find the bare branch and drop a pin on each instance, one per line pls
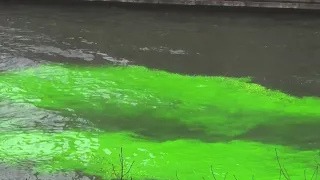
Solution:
(305, 175)
(114, 171)
(177, 175)
(280, 174)
(130, 167)
(225, 176)
(122, 174)
(317, 172)
(214, 177)
(121, 163)
(282, 169)
(235, 177)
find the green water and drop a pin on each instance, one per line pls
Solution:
(165, 122)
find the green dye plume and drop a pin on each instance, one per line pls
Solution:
(155, 104)
(147, 101)
(96, 153)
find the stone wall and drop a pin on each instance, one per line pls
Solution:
(293, 4)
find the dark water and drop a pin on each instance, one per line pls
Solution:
(280, 51)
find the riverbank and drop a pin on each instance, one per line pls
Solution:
(252, 4)
(286, 4)
(250, 9)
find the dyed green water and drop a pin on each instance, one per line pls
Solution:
(165, 122)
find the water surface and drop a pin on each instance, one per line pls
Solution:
(179, 91)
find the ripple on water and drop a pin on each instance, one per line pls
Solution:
(23, 117)
(22, 47)
(17, 173)
(69, 53)
(10, 62)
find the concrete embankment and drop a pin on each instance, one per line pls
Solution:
(287, 4)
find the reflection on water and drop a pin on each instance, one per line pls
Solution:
(78, 116)
(13, 118)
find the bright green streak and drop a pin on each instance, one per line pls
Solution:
(94, 154)
(219, 105)
(226, 106)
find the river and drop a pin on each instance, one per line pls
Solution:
(187, 94)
